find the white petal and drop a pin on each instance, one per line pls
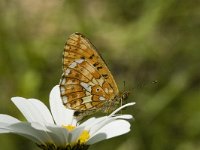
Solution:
(5, 121)
(92, 122)
(39, 126)
(8, 119)
(123, 117)
(88, 122)
(3, 128)
(33, 110)
(61, 114)
(59, 135)
(115, 128)
(101, 123)
(42, 109)
(74, 135)
(25, 129)
(95, 124)
(120, 108)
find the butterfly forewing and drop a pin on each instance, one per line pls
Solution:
(86, 83)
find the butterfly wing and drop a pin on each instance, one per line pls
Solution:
(86, 83)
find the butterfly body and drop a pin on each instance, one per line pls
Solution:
(86, 84)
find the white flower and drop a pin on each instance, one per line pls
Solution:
(58, 129)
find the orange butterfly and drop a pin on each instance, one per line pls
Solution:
(87, 85)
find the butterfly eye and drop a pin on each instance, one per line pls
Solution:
(97, 90)
(76, 113)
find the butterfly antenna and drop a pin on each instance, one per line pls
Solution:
(124, 85)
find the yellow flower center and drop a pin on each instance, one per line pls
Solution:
(69, 127)
(84, 136)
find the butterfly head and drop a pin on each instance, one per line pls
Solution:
(125, 95)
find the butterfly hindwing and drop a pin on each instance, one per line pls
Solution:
(86, 83)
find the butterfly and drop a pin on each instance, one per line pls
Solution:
(87, 85)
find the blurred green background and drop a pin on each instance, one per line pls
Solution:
(152, 45)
